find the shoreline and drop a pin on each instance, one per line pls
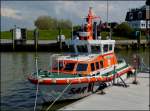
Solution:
(54, 46)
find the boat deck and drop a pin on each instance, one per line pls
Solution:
(134, 97)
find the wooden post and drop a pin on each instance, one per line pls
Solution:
(60, 41)
(138, 35)
(114, 75)
(36, 35)
(13, 43)
(135, 77)
(13, 37)
(136, 66)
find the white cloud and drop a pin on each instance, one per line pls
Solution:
(75, 10)
(11, 13)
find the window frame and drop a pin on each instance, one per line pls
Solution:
(82, 48)
(110, 47)
(71, 48)
(97, 65)
(85, 67)
(71, 68)
(95, 49)
(92, 65)
(104, 48)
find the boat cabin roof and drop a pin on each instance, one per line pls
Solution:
(82, 57)
(91, 46)
(91, 42)
(82, 64)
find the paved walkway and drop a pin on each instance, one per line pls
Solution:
(135, 97)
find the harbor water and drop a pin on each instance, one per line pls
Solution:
(18, 94)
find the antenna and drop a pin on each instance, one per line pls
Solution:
(108, 20)
(107, 11)
(72, 30)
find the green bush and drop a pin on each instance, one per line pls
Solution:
(123, 30)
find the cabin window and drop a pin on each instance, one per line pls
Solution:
(69, 66)
(71, 48)
(105, 48)
(92, 67)
(110, 47)
(95, 49)
(60, 65)
(56, 66)
(82, 48)
(97, 65)
(101, 64)
(82, 67)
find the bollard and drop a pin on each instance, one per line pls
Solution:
(101, 88)
(135, 78)
(102, 92)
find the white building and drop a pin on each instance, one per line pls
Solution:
(139, 18)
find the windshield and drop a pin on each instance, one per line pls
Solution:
(82, 67)
(82, 48)
(95, 49)
(69, 66)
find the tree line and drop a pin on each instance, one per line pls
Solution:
(48, 23)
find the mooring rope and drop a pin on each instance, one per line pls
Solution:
(37, 86)
(58, 96)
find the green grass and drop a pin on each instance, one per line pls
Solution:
(48, 34)
(6, 35)
(43, 34)
(52, 34)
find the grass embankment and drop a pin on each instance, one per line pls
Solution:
(52, 34)
(43, 34)
(105, 34)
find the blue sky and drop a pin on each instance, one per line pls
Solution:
(24, 13)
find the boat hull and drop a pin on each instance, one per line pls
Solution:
(74, 88)
(66, 92)
(74, 91)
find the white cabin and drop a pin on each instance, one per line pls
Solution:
(91, 46)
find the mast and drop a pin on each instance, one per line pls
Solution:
(108, 21)
(90, 18)
(107, 11)
(72, 31)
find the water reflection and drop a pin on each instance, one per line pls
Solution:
(58, 104)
